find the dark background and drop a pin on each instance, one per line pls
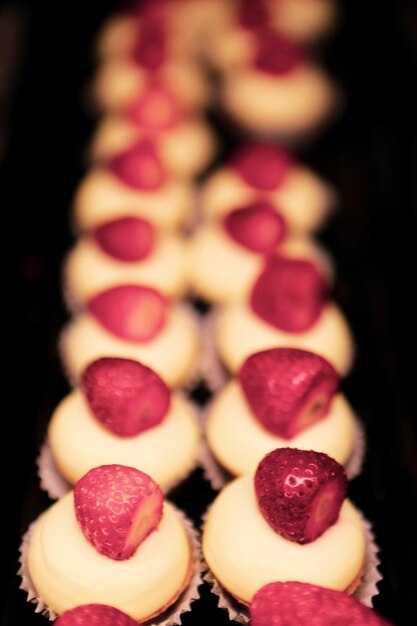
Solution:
(370, 155)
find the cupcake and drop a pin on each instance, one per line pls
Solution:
(185, 143)
(125, 250)
(282, 397)
(136, 322)
(234, 41)
(279, 92)
(146, 53)
(123, 412)
(262, 172)
(288, 306)
(293, 603)
(133, 182)
(124, 546)
(190, 25)
(225, 258)
(290, 521)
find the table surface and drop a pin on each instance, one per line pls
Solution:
(369, 155)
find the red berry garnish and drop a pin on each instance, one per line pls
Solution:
(289, 294)
(117, 507)
(128, 239)
(262, 166)
(276, 53)
(303, 604)
(300, 492)
(257, 227)
(125, 396)
(139, 166)
(95, 615)
(288, 389)
(131, 312)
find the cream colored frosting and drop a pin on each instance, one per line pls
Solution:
(88, 270)
(244, 552)
(101, 197)
(172, 353)
(119, 82)
(239, 441)
(304, 21)
(79, 442)
(222, 271)
(67, 570)
(239, 333)
(292, 105)
(185, 149)
(303, 199)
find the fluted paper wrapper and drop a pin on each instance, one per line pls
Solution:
(218, 476)
(170, 617)
(211, 369)
(364, 593)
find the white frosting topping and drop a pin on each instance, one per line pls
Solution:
(244, 552)
(239, 333)
(67, 570)
(101, 197)
(292, 104)
(239, 441)
(80, 442)
(185, 149)
(303, 199)
(172, 353)
(89, 270)
(223, 271)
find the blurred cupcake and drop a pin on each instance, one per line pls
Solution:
(123, 412)
(263, 172)
(288, 306)
(136, 322)
(146, 53)
(185, 143)
(225, 258)
(127, 250)
(133, 182)
(280, 92)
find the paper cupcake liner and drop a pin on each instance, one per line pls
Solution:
(56, 486)
(170, 617)
(191, 378)
(218, 476)
(367, 589)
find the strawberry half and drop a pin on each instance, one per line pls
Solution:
(131, 312)
(139, 166)
(289, 294)
(257, 227)
(125, 396)
(300, 492)
(276, 54)
(262, 166)
(156, 109)
(128, 239)
(302, 604)
(95, 615)
(288, 389)
(117, 507)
